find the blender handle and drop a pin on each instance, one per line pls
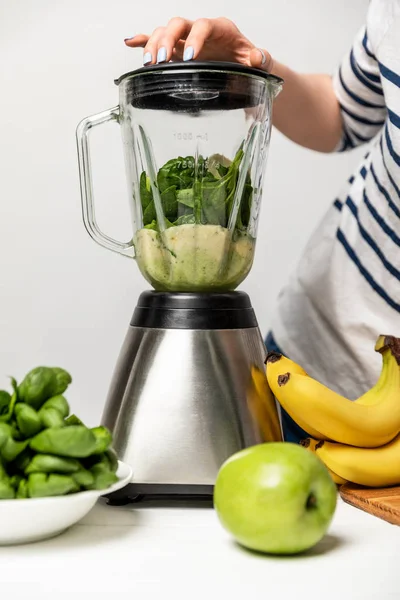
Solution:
(86, 183)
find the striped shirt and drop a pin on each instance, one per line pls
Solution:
(346, 289)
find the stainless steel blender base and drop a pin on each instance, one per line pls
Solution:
(178, 404)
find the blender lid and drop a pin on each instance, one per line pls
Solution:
(202, 66)
(193, 87)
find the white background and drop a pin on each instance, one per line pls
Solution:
(64, 300)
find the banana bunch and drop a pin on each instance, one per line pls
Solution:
(359, 441)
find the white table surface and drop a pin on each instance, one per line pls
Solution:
(183, 553)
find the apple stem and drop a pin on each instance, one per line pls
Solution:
(311, 501)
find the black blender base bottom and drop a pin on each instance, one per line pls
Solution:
(154, 492)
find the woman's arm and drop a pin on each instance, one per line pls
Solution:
(307, 110)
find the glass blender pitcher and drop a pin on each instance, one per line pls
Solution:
(195, 140)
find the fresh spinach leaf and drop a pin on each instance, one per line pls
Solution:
(186, 197)
(5, 400)
(169, 202)
(179, 172)
(223, 170)
(197, 201)
(184, 210)
(169, 206)
(146, 194)
(185, 220)
(213, 201)
(163, 176)
(246, 203)
(168, 223)
(153, 225)
(149, 214)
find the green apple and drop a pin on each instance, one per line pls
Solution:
(275, 497)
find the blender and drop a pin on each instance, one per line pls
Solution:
(182, 398)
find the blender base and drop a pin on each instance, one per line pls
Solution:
(161, 493)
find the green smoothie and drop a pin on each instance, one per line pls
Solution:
(190, 258)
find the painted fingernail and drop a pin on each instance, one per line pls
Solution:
(129, 38)
(189, 53)
(263, 57)
(162, 55)
(147, 58)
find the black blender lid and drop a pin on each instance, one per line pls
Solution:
(220, 66)
(193, 87)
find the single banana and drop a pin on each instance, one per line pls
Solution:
(336, 478)
(338, 418)
(289, 366)
(278, 364)
(312, 446)
(262, 406)
(372, 467)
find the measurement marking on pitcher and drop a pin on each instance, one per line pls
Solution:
(188, 135)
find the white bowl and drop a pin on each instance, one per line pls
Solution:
(33, 519)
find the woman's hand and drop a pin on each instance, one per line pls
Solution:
(204, 39)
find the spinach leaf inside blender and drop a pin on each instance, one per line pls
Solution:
(197, 192)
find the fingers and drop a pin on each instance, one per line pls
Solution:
(201, 30)
(178, 50)
(138, 41)
(166, 42)
(261, 59)
(176, 30)
(160, 46)
(152, 47)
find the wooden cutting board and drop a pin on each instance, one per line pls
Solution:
(380, 502)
